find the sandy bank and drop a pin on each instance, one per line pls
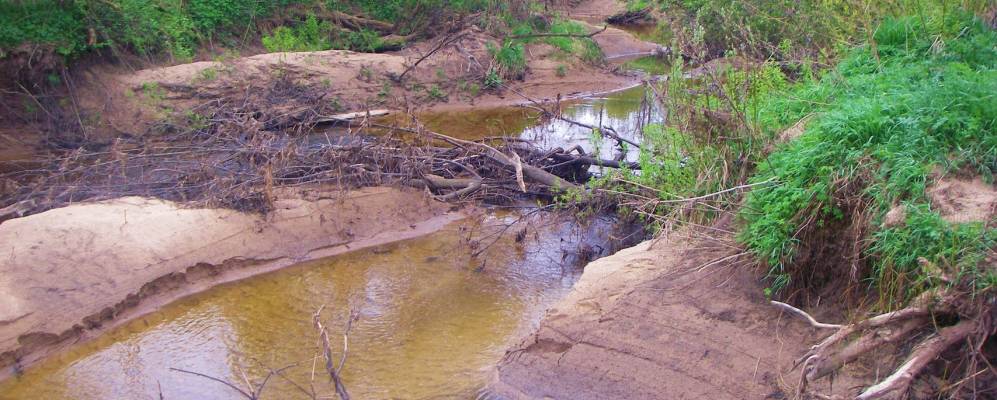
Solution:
(71, 272)
(681, 317)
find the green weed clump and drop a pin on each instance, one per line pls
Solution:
(312, 35)
(920, 99)
(584, 48)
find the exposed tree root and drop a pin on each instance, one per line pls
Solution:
(894, 327)
(896, 385)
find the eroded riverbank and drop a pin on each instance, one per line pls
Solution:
(432, 321)
(73, 272)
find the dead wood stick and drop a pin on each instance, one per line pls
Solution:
(628, 17)
(440, 182)
(16, 210)
(813, 322)
(327, 352)
(465, 186)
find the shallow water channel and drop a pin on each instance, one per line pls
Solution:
(433, 320)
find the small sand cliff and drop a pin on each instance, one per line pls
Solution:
(70, 272)
(680, 317)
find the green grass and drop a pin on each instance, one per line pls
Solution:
(927, 102)
(648, 65)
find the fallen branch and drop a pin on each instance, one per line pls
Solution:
(568, 158)
(872, 339)
(536, 174)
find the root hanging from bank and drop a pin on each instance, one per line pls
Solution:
(848, 343)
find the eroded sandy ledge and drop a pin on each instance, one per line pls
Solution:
(73, 272)
(677, 317)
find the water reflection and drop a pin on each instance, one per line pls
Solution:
(433, 319)
(625, 111)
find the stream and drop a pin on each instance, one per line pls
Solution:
(432, 319)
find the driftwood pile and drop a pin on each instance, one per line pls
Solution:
(247, 142)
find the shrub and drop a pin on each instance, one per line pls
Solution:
(309, 36)
(883, 123)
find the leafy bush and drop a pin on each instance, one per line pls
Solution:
(312, 35)
(791, 30)
(176, 28)
(923, 100)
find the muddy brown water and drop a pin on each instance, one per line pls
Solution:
(433, 320)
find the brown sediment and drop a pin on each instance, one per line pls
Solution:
(69, 274)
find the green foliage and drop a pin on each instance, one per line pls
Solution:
(562, 71)
(436, 93)
(492, 79)
(44, 23)
(648, 65)
(364, 40)
(311, 35)
(176, 28)
(927, 101)
(511, 58)
(585, 48)
(636, 5)
(951, 249)
(793, 30)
